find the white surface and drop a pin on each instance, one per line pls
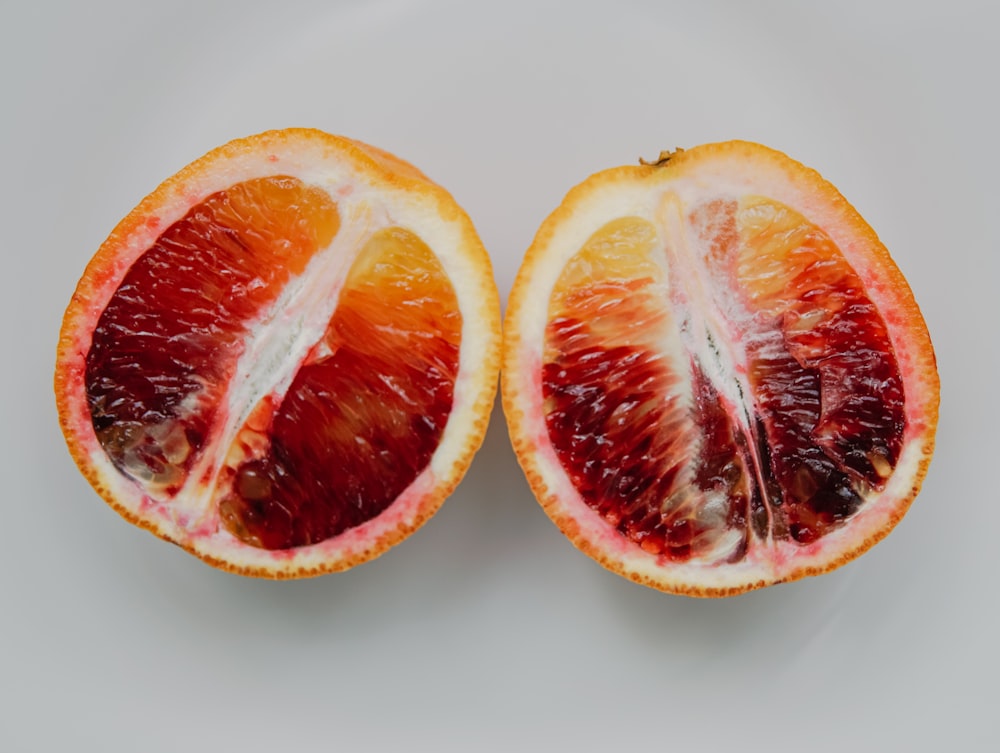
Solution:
(487, 630)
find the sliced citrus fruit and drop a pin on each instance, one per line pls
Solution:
(284, 358)
(714, 376)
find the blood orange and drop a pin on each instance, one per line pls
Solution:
(714, 375)
(285, 357)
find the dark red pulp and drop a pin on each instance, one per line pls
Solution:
(364, 412)
(822, 424)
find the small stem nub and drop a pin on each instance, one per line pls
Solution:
(663, 159)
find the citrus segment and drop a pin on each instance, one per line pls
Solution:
(635, 424)
(284, 359)
(371, 401)
(168, 339)
(715, 378)
(821, 365)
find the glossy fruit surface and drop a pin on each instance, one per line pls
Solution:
(284, 358)
(715, 377)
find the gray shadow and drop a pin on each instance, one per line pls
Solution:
(435, 574)
(785, 622)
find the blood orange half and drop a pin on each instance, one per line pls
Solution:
(284, 358)
(714, 375)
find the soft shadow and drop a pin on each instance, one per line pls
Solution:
(432, 575)
(780, 620)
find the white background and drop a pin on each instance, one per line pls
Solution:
(487, 630)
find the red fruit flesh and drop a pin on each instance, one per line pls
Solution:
(364, 411)
(360, 421)
(166, 344)
(636, 402)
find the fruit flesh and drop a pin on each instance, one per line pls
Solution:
(722, 387)
(822, 365)
(364, 409)
(167, 342)
(363, 415)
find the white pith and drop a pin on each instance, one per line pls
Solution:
(663, 204)
(367, 202)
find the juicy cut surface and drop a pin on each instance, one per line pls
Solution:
(361, 411)
(167, 342)
(364, 413)
(724, 386)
